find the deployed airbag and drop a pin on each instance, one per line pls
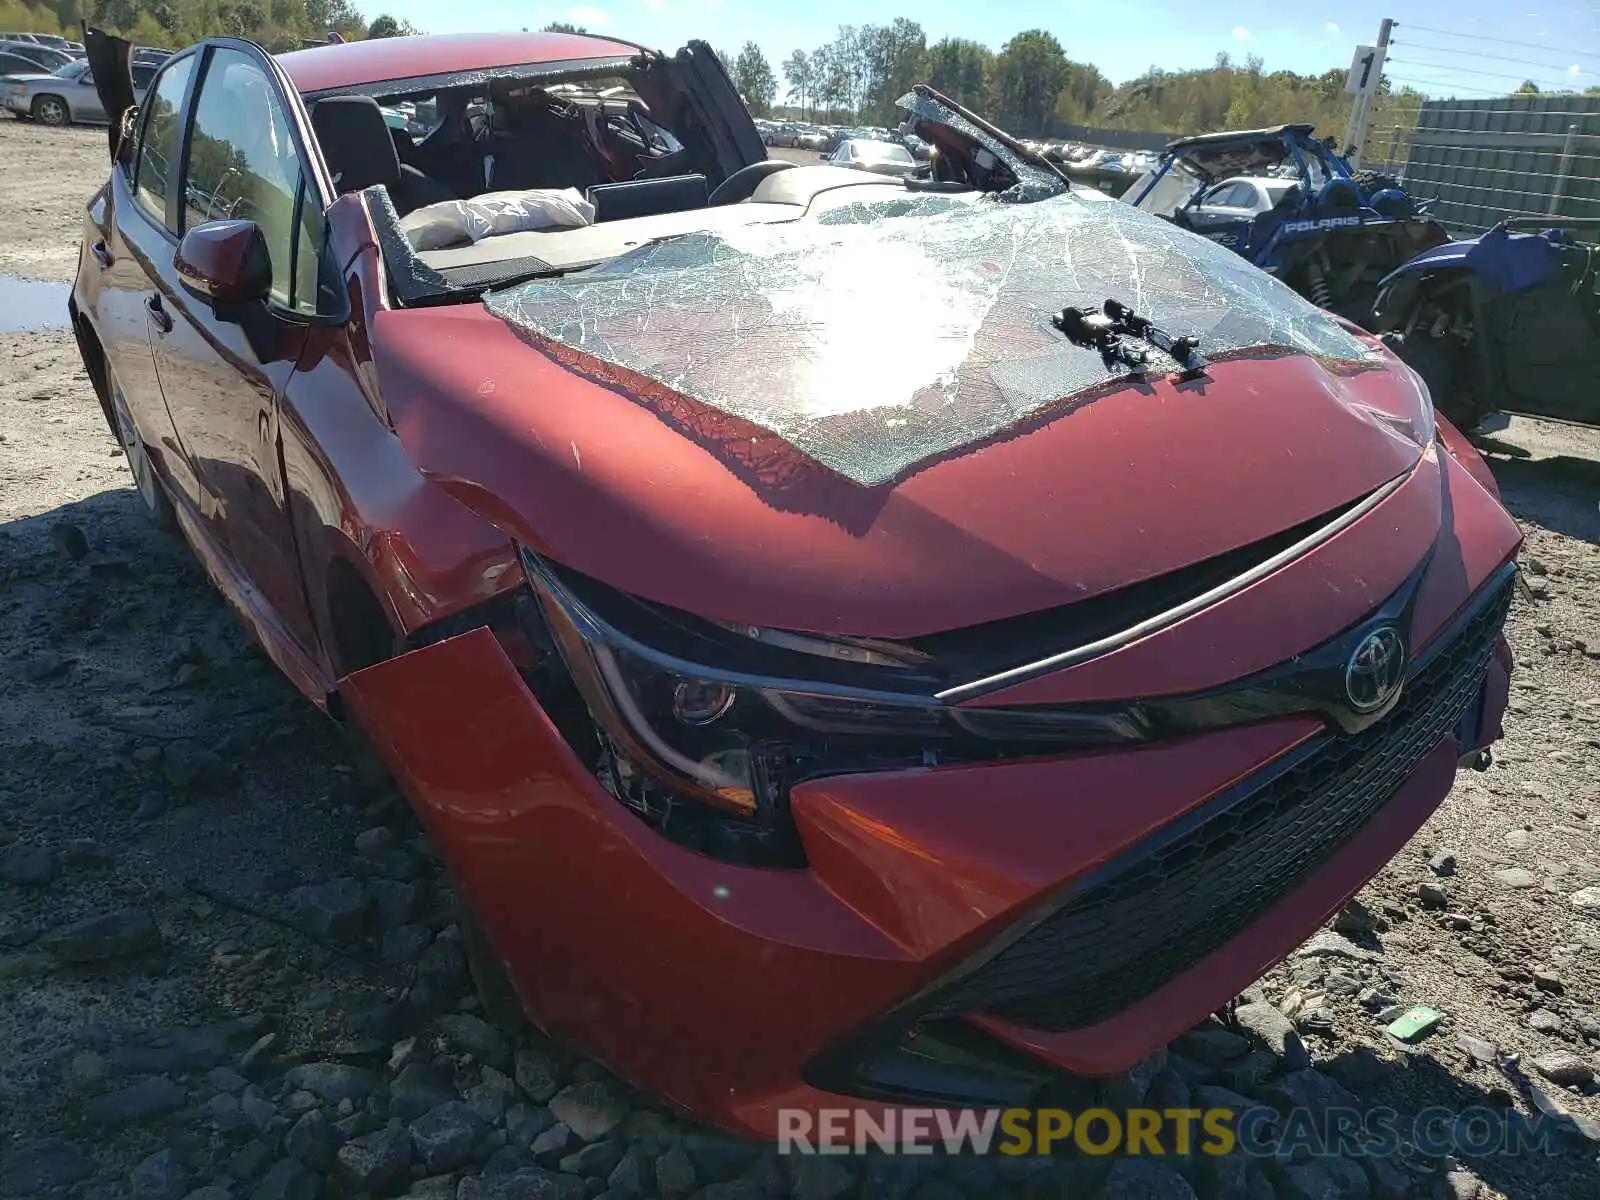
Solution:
(893, 334)
(456, 222)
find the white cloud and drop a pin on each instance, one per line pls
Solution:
(1240, 32)
(588, 16)
(1331, 26)
(1574, 70)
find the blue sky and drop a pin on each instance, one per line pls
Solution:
(1488, 46)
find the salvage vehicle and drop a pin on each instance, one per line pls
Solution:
(1506, 321)
(869, 154)
(64, 96)
(919, 728)
(30, 58)
(1332, 237)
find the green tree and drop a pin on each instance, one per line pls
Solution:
(753, 76)
(1029, 73)
(1526, 88)
(797, 72)
(1082, 92)
(564, 27)
(385, 26)
(892, 63)
(830, 81)
(959, 68)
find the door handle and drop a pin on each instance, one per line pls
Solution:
(158, 314)
(101, 254)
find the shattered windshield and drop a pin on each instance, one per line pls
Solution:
(784, 326)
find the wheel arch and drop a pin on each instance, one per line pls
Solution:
(95, 363)
(362, 629)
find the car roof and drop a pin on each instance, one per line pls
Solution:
(352, 64)
(1239, 137)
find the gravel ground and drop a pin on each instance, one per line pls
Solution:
(229, 968)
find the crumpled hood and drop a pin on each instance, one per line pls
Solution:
(689, 506)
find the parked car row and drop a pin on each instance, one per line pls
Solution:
(50, 41)
(825, 139)
(62, 92)
(28, 58)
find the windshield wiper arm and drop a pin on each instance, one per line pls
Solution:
(1109, 329)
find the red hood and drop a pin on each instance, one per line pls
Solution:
(1136, 484)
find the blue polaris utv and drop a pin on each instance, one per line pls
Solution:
(1285, 199)
(1509, 321)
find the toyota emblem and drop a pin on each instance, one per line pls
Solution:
(1372, 676)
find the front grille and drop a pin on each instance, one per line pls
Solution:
(1122, 935)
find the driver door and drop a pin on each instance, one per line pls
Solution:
(728, 125)
(222, 374)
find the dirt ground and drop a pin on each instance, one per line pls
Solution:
(229, 968)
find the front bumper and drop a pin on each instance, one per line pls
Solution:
(963, 898)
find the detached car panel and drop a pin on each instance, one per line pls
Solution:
(803, 724)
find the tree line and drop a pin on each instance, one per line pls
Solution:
(1032, 87)
(278, 25)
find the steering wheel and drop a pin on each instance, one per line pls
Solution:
(743, 182)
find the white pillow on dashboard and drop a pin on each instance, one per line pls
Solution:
(454, 222)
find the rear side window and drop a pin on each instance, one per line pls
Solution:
(153, 167)
(10, 64)
(1233, 195)
(142, 77)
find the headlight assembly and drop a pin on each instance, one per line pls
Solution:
(697, 718)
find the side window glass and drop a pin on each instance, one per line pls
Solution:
(158, 142)
(308, 254)
(242, 162)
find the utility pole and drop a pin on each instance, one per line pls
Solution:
(1366, 75)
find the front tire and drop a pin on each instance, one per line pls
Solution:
(51, 110)
(157, 505)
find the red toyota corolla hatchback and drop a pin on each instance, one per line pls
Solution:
(918, 635)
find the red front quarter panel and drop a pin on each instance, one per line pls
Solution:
(687, 970)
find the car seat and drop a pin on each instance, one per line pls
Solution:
(535, 143)
(360, 152)
(1339, 197)
(1265, 224)
(1391, 202)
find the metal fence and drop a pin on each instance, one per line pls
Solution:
(1516, 137)
(1530, 156)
